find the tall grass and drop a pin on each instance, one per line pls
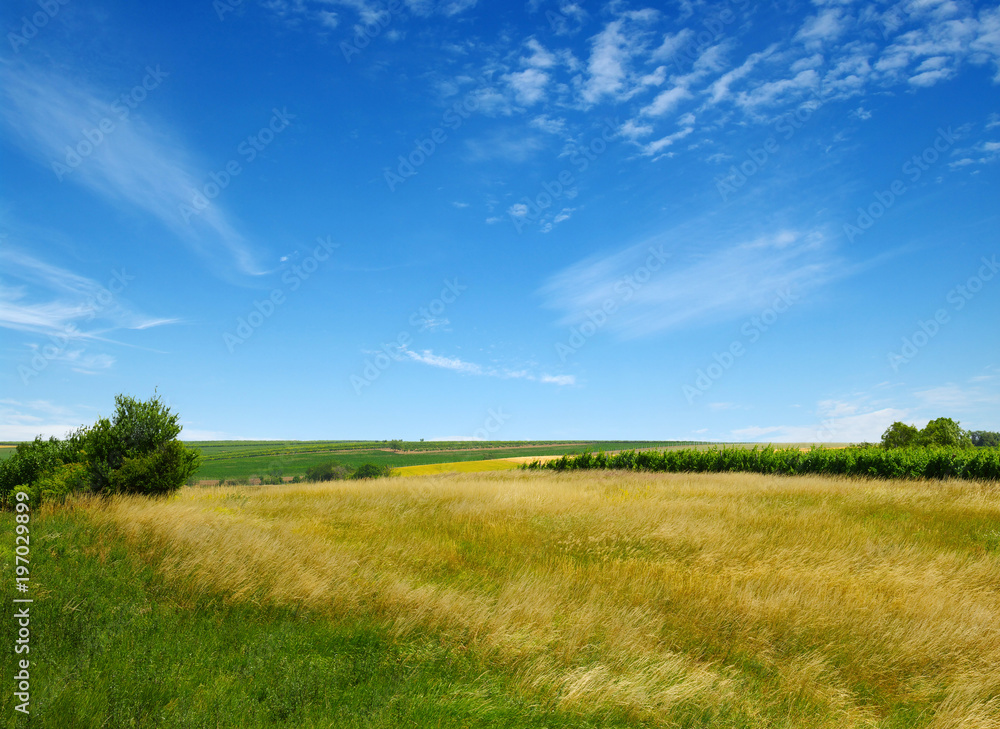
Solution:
(871, 461)
(729, 600)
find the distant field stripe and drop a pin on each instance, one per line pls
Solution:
(496, 464)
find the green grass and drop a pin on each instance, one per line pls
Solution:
(114, 646)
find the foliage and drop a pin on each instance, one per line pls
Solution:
(985, 438)
(32, 461)
(138, 434)
(900, 435)
(56, 484)
(160, 471)
(327, 471)
(917, 462)
(136, 451)
(943, 432)
(372, 470)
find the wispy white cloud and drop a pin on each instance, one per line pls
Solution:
(666, 101)
(827, 25)
(136, 165)
(39, 297)
(22, 421)
(955, 398)
(685, 286)
(528, 85)
(461, 366)
(505, 144)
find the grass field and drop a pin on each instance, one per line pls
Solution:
(244, 459)
(523, 599)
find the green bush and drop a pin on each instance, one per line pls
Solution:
(163, 470)
(327, 471)
(32, 461)
(135, 452)
(372, 470)
(138, 434)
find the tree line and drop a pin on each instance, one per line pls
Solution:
(938, 432)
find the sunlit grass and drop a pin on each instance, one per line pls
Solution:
(768, 600)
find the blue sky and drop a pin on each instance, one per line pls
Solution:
(351, 219)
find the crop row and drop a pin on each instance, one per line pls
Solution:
(871, 461)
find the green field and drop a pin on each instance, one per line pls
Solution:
(245, 459)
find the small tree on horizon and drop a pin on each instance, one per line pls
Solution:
(900, 435)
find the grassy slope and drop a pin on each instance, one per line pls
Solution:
(723, 600)
(114, 645)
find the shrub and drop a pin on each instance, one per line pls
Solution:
(32, 461)
(136, 451)
(140, 434)
(327, 471)
(372, 470)
(159, 472)
(918, 462)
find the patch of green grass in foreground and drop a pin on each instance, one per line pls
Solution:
(112, 645)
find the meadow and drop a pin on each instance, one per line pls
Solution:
(523, 598)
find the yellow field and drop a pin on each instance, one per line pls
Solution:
(794, 602)
(496, 464)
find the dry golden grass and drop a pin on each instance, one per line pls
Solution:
(803, 601)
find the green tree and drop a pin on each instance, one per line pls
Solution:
(945, 432)
(136, 450)
(900, 435)
(985, 438)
